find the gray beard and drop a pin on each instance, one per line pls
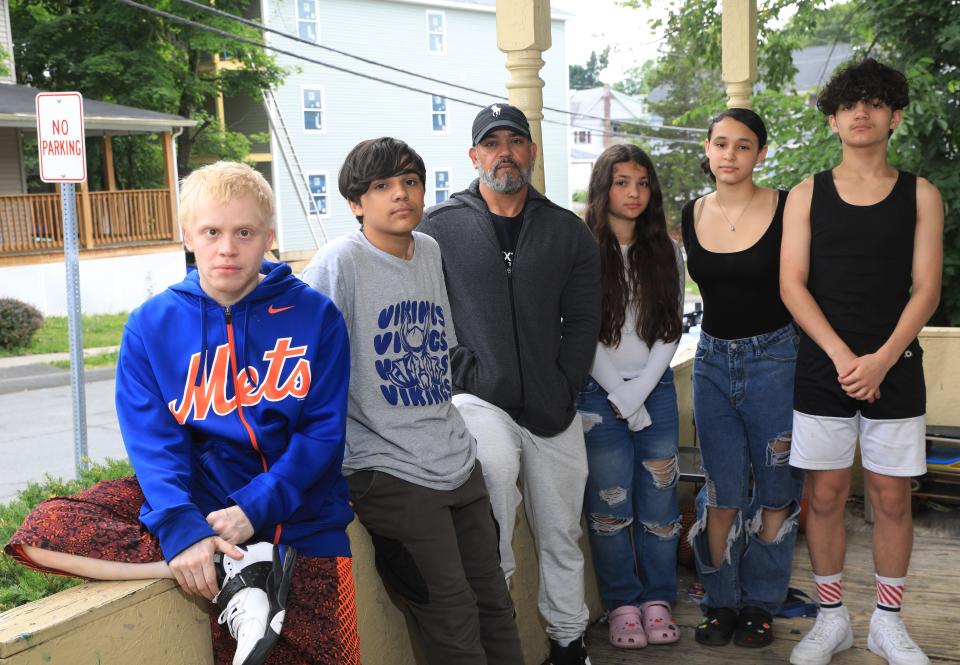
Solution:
(509, 183)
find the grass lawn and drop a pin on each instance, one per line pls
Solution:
(108, 359)
(98, 330)
(18, 584)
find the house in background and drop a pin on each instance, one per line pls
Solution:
(598, 113)
(129, 241)
(326, 112)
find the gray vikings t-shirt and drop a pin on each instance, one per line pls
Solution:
(400, 418)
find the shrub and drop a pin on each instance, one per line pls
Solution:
(18, 323)
(19, 584)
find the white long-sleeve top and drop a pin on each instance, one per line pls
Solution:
(631, 370)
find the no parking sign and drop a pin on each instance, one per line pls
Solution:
(60, 137)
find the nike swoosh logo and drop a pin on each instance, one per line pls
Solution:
(276, 310)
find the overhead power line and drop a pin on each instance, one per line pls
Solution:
(244, 40)
(296, 38)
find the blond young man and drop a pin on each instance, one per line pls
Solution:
(231, 395)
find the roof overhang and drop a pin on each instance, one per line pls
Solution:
(18, 109)
(99, 125)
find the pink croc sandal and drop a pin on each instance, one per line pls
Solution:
(658, 624)
(625, 629)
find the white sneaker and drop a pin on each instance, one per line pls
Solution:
(830, 635)
(253, 594)
(889, 639)
(246, 617)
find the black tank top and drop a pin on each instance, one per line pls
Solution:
(741, 290)
(861, 257)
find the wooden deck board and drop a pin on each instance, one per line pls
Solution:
(931, 609)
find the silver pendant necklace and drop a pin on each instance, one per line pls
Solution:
(733, 226)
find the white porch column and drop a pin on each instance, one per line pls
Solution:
(739, 51)
(523, 33)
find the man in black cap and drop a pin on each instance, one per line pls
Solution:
(523, 276)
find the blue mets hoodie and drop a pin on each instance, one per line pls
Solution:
(242, 405)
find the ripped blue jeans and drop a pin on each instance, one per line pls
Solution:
(631, 496)
(743, 406)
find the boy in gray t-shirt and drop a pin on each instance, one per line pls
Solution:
(410, 461)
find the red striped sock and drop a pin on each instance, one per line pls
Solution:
(890, 593)
(829, 590)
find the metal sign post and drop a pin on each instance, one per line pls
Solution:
(61, 144)
(71, 254)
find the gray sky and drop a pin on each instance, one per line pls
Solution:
(602, 22)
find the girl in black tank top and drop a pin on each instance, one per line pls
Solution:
(740, 289)
(742, 390)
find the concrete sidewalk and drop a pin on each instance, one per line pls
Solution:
(43, 358)
(19, 373)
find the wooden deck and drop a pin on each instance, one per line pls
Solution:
(932, 610)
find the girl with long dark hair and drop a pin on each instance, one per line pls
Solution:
(742, 390)
(629, 403)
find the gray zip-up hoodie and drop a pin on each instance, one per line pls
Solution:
(527, 336)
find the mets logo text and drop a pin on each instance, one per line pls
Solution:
(211, 391)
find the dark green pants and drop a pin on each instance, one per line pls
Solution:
(437, 550)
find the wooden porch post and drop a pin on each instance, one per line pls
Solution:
(523, 33)
(108, 163)
(221, 110)
(169, 170)
(86, 215)
(739, 51)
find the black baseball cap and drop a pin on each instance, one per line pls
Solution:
(499, 116)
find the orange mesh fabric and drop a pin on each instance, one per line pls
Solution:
(347, 613)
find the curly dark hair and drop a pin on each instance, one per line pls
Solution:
(377, 159)
(865, 81)
(652, 277)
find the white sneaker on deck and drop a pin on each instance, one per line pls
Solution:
(889, 639)
(830, 635)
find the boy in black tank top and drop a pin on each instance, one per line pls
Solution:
(860, 271)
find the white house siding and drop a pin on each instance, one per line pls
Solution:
(6, 43)
(356, 109)
(107, 286)
(11, 173)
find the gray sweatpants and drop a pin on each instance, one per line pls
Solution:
(554, 476)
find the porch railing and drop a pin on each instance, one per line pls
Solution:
(31, 223)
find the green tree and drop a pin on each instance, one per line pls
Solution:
(120, 54)
(583, 77)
